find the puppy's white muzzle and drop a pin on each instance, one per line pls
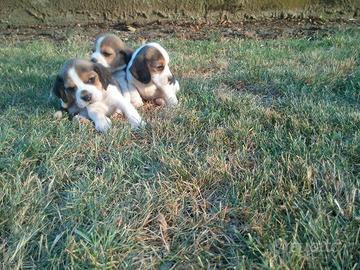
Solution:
(99, 58)
(87, 95)
(89, 91)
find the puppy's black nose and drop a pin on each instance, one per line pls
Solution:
(86, 96)
(94, 60)
(172, 79)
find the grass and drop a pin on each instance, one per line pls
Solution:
(258, 167)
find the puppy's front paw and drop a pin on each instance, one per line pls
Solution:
(137, 103)
(103, 125)
(172, 102)
(58, 115)
(137, 122)
(81, 119)
(142, 124)
(177, 87)
(159, 102)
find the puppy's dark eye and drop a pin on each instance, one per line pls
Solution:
(106, 54)
(160, 67)
(91, 80)
(71, 89)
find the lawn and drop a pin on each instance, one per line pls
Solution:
(258, 167)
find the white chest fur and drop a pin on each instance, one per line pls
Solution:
(113, 95)
(147, 91)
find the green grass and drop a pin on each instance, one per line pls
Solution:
(258, 167)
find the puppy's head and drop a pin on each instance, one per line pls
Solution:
(65, 94)
(84, 81)
(110, 51)
(149, 62)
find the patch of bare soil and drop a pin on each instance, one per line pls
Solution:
(248, 29)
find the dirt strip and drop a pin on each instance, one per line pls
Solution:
(193, 30)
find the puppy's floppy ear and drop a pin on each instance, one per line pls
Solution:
(104, 75)
(140, 70)
(127, 53)
(59, 89)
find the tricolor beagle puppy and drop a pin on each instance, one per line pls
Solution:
(111, 52)
(149, 76)
(66, 93)
(144, 74)
(87, 88)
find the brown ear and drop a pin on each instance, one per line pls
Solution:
(104, 75)
(59, 89)
(140, 70)
(127, 53)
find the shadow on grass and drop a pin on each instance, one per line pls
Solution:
(26, 83)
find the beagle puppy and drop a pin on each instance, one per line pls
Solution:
(143, 74)
(111, 52)
(67, 94)
(87, 88)
(149, 77)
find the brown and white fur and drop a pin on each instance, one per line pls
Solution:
(149, 76)
(143, 74)
(111, 52)
(66, 94)
(94, 94)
